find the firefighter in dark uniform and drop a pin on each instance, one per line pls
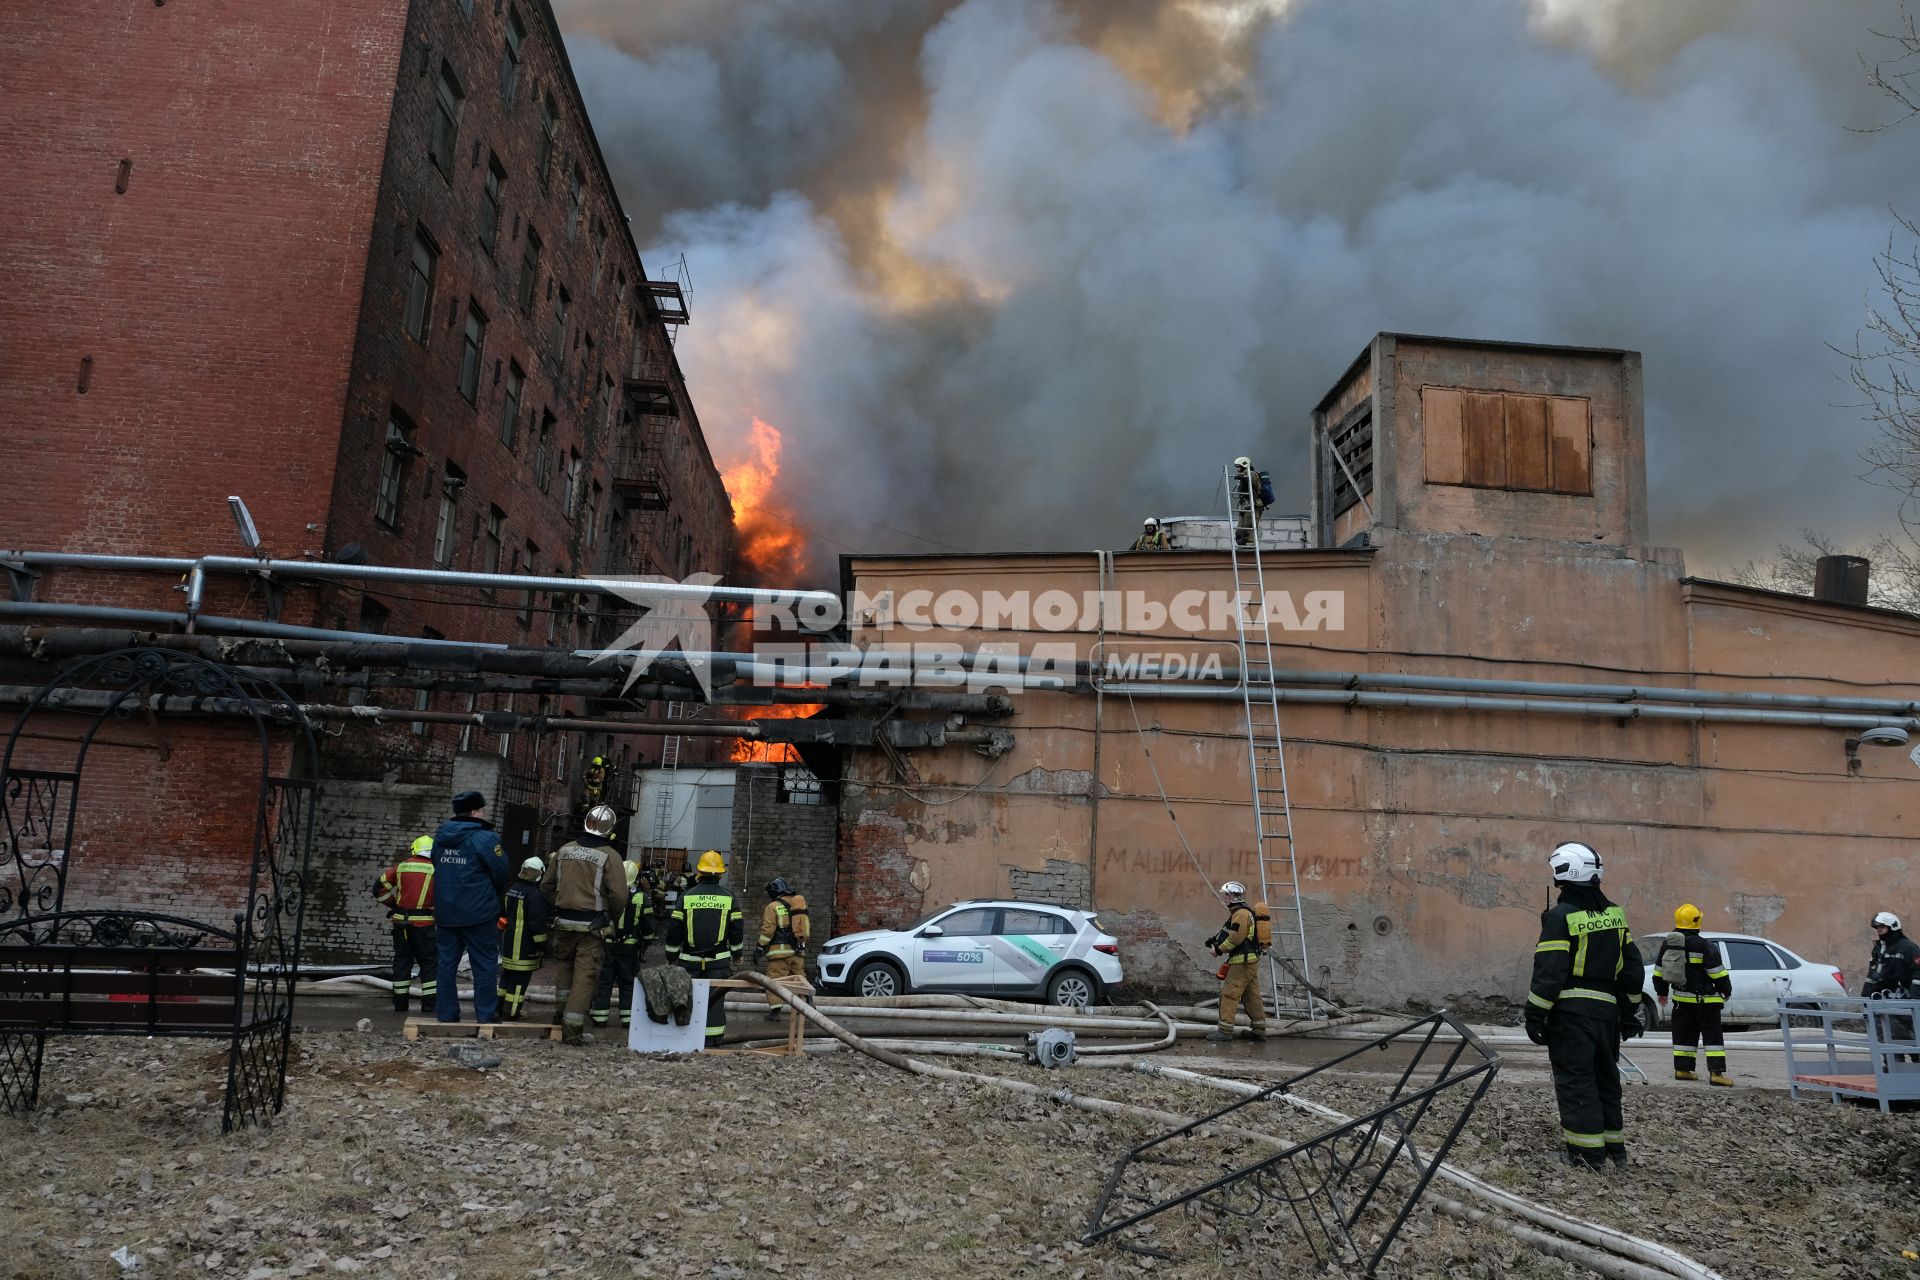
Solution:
(628, 942)
(704, 931)
(523, 937)
(1698, 998)
(406, 891)
(1584, 1001)
(783, 938)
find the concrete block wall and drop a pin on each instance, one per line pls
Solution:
(772, 837)
(359, 829)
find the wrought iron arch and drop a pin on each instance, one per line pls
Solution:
(44, 938)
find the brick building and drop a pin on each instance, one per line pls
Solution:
(360, 263)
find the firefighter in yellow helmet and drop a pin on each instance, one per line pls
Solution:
(596, 781)
(704, 932)
(1690, 967)
(1239, 943)
(405, 889)
(783, 937)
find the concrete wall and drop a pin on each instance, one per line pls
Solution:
(360, 829)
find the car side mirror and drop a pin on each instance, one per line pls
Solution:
(933, 931)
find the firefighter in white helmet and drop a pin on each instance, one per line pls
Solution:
(1151, 537)
(523, 937)
(1238, 942)
(1251, 494)
(1584, 1001)
(586, 882)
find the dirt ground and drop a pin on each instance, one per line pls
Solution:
(392, 1161)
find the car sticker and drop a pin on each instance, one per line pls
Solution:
(954, 957)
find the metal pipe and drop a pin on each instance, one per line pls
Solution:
(1539, 706)
(635, 589)
(215, 624)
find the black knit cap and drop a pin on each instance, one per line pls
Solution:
(468, 801)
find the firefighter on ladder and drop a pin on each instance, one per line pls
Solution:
(783, 938)
(703, 933)
(1252, 493)
(1239, 942)
(523, 937)
(596, 781)
(1583, 1003)
(1692, 969)
(405, 889)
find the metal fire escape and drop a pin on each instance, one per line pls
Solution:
(1287, 969)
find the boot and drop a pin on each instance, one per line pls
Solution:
(572, 1033)
(1719, 1078)
(773, 1015)
(399, 1004)
(1259, 1035)
(1617, 1155)
(1685, 1075)
(1218, 1036)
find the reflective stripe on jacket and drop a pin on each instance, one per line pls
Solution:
(706, 923)
(1239, 946)
(1707, 979)
(1585, 960)
(406, 890)
(783, 926)
(524, 936)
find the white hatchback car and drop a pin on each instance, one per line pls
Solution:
(984, 946)
(1761, 971)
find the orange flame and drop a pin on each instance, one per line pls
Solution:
(772, 546)
(749, 751)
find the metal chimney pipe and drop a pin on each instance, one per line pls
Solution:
(1841, 579)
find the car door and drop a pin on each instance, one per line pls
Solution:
(955, 952)
(1757, 976)
(1029, 943)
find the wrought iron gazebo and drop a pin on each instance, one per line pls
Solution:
(88, 971)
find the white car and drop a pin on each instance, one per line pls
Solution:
(1761, 971)
(984, 946)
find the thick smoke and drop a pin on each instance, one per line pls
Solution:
(1010, 274)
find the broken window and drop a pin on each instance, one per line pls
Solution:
(426, 262)
(446, 120)
(444, 532)
(471, 353)
(1508, 440)
(393, 469)
(1352, 461)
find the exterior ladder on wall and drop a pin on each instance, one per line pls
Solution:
(665, 789)
(1287, 971)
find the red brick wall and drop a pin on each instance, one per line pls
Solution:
(216, 297)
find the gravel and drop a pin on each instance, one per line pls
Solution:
(392, 1161)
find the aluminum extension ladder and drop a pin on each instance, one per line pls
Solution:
(665, 792)
(1288, 973)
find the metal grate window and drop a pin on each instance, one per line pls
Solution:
(1352, 442)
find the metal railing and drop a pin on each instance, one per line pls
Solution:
(1852, 1047)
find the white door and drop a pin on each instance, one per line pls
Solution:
(955, 952)
(1758, 979)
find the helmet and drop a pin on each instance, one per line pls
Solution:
(1575, 863)
(1888, 919)
(422, 844)
(1686, 917)
(1233, 889)
(1151, 523)
(533, 868)
(633, 874)
(712, 864)
(601, 820)
(599, 760)
(1243, 463)
(778, 887)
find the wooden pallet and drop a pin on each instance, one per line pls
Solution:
(432, 1029)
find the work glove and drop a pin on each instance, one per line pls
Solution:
(1536, 1025)
(1630, 1025)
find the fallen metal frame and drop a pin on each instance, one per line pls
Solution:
(1329, 1181)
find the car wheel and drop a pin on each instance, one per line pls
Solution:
(1073, 989)
(876, 979)
(1812, 1019)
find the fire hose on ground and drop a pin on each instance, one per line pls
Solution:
(1628, 1257)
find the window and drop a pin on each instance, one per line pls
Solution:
(393, 469)
(1505, 440)
(470, 354)
(510, 56)
(444, 532)
(490, 198)
(510, 404)
(572, 495)
(599, 254)
(1019, 921)
(543, 452)
(558, 338)
(601, 412)
(972, 923)
(549, 126)
(529, 270)
(490, 544)
(446, 121)
(526, 597)
(586, 373)
(590, 525)
(374, 616)
(426, 262)
(575, 184)
(1747, 954)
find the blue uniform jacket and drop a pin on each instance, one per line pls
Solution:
(469, 873)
